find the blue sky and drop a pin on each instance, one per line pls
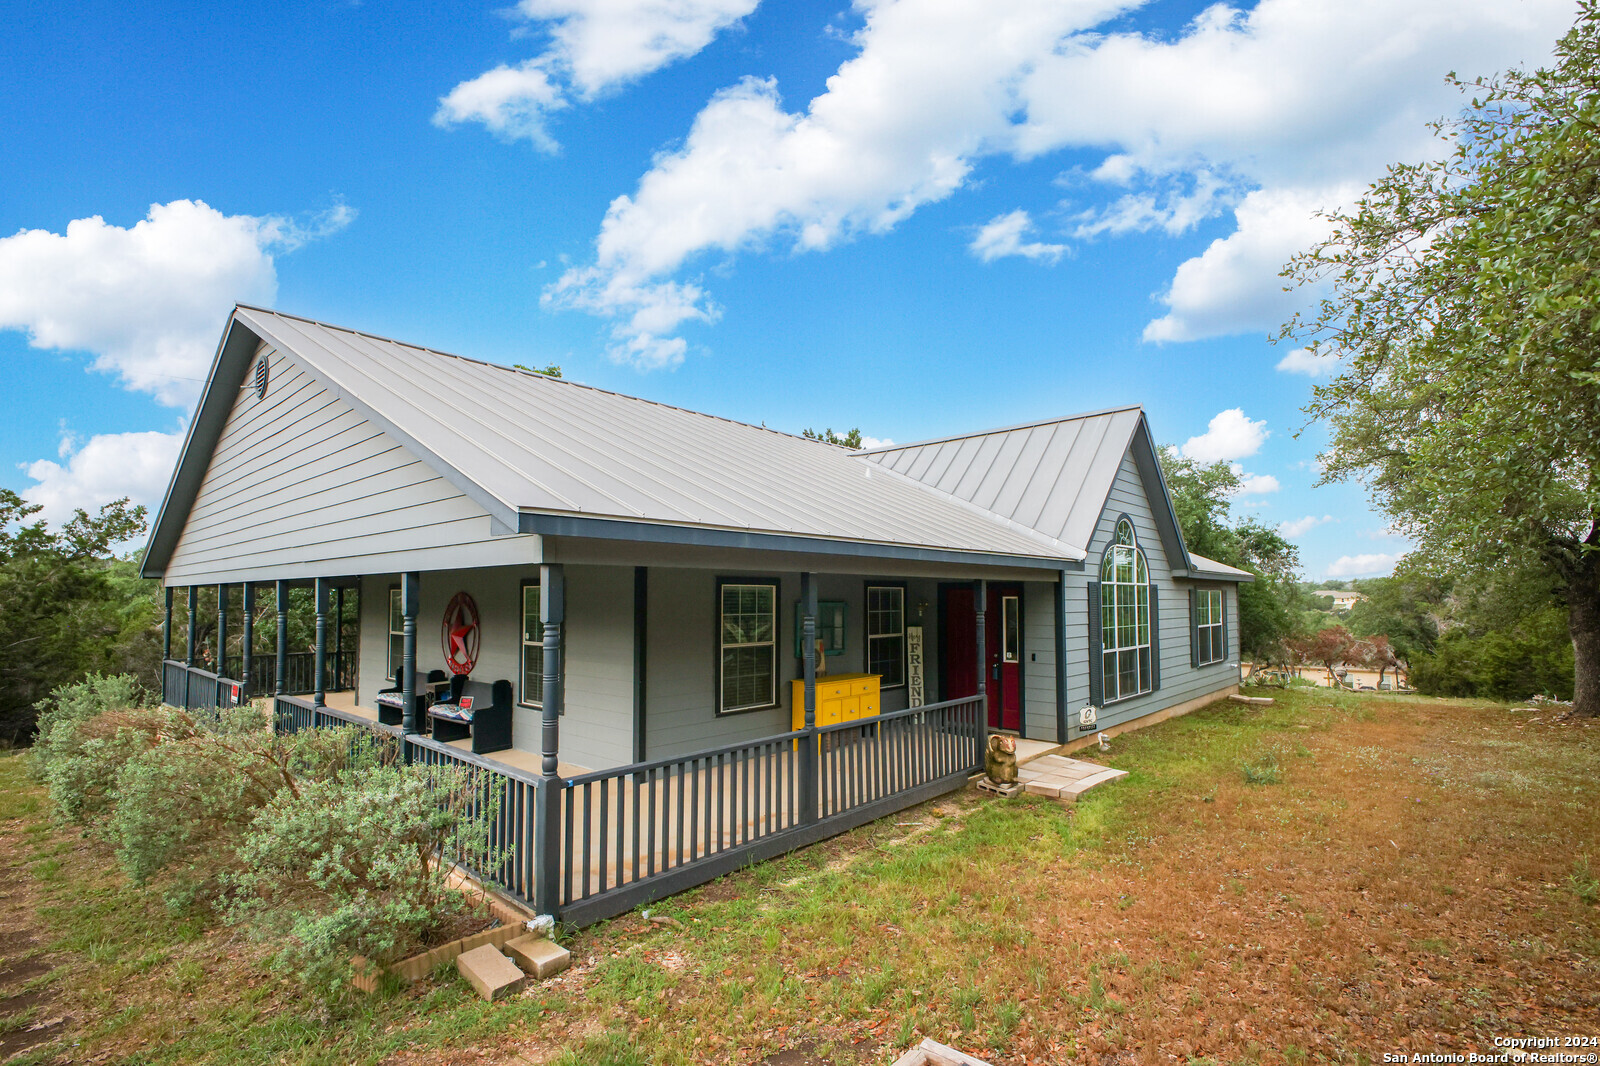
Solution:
(910, 216)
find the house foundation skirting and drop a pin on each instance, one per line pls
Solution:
(1150, 719)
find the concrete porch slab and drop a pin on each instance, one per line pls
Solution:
(1062, 778)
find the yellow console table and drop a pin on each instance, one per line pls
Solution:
(840, 698)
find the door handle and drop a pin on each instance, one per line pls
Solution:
(994, 671)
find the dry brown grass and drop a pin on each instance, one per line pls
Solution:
(1419, 877)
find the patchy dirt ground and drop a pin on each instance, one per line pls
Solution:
(1328, 880)
(29, 1013)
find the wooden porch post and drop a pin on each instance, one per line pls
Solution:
(319, 665)
(247, 636)
(222, 631)
(280, 682)
(808, 743)
(410, 600)
(1063, 712)
(166, 625)
(547, 804)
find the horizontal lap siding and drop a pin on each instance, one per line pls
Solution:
(1179, 681)
(299, 485)
(597, 728)
(680, 687)
(1039, 659)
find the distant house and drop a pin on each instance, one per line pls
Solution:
(1341, 599)
(601, 600)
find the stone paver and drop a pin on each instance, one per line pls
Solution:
(540, 957)
(1059, 777)
(488, 971)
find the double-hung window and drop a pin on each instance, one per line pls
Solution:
(397, 632)
(886, 634)
(1125, 618)
(1208, 626)
(747, 666)
(532, 647)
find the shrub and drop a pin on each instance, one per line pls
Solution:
(71, 705)
(183, 806)
(349, 865)
(81, 772)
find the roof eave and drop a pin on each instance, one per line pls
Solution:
(583, 526)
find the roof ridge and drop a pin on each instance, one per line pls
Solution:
(1002, 429)
(528, 373)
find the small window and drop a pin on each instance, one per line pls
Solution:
(886, 634)
(1011, 629)
(1125, 618)
(397, 632)
(748, 667)
(532, 647)
(1208, 621)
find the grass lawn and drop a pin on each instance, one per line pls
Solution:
(1328, 879)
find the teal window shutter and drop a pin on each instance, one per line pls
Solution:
(1155, 638)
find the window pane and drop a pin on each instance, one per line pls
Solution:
(397, 651)
(746, 677)
(397, 614)
(1125, 566)
(1011, 630)
(886, 656)
(532, 674)
(1144, 670)
(1110, 675)
(1217, 651)
(1127, 673)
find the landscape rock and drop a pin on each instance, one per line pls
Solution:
(490, 972)
(540, 957)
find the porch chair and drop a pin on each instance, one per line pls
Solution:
(487, 721)
(391, 701)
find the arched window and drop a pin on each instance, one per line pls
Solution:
(1124, 617)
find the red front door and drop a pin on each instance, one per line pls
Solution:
(1002, 650)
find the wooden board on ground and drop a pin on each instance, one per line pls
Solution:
(932, 1053)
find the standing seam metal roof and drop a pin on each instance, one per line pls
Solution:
(533, 443)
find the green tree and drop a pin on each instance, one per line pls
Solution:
(851, 440)
(1463, 306)
(1405, 608)
(1267, 606)
(67, 608)
(551, 370)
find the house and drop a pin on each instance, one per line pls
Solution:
(691, 643)
(1341, 599)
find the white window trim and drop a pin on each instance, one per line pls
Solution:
(722, 648)
(1216, 625)
(1109, 644)
(901, 634)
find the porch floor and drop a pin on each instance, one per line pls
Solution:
(526, 761)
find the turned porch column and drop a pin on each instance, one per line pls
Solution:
(319, 664)
(410, 600)
(807, 769)
(280, 684)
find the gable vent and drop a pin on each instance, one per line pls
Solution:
(261, 378)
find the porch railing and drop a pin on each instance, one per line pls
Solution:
(617, 838)
(196, 689)
(300, 670)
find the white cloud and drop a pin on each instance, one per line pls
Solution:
(1257, 485)
(594, 46)
(1228, 436)
(148, 301)
(1278, 112)
(1375, 564)
(1312, 365)
(1299, 527)
(1003, 236)
(874, 442)
(107, 467)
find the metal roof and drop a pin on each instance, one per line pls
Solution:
(522, 443)
(1052, 477)
(1201, 566)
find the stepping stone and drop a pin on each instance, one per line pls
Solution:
(540, 957)
(488, 971)
(1071, 792)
